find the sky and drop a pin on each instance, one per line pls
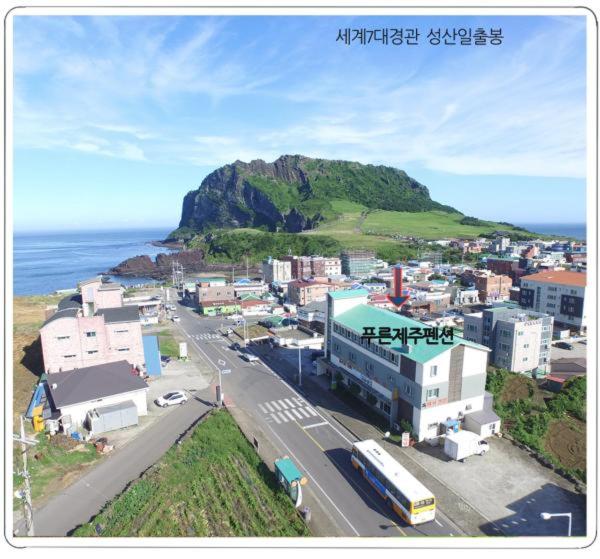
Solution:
(117, 118)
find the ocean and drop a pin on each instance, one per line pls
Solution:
(575, 230)
(45, 262)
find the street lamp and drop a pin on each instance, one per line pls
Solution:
(548, 516)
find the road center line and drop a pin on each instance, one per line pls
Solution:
(315, 481)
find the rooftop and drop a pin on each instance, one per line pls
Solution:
(348, 293)
(113, 315)
(92, 383)
(365, 315)
(70, 302)
(109, 286)
(62, 313)
(577, 279)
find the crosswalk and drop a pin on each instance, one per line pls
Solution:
(207, 337)
(287, 409)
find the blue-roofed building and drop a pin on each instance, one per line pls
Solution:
(152, 355)
(424, 380)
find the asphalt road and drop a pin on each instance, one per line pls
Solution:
(318, 445)
(78, 503)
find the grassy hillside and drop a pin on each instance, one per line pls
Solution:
(431, 225)
(211, 485)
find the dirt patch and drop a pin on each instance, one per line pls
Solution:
(517, 388)
(565, 439)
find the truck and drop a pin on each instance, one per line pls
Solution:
(462, 444)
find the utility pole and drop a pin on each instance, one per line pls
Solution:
(220, 390)
(27, 493)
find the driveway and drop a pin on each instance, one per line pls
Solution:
(509, 487)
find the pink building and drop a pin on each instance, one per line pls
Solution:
(86, 330)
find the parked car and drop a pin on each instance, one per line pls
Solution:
(235, 346)
(175, 318)
(249, 357)
(171, 399)
(565, 345)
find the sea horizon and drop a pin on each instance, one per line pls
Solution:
(47, 262)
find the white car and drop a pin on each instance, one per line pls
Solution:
(171, 399)
(175, 318)
(235, 317)
(249, 357)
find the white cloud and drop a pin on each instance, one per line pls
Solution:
(520, 112)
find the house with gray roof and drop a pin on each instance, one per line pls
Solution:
(75, 393)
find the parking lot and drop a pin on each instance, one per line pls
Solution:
(579, 350)
(508, 487)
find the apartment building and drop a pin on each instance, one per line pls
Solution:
(559, 293)
(300, 266)
(276, 270)
(72, 340)
(426, 384)
(519, 340)
(325, 266)
(491, 287)
(302, 292)
(205, 292)
(358, 262)
(307, 266)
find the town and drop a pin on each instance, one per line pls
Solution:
(303, 358)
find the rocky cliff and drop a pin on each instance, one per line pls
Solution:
(294, 193)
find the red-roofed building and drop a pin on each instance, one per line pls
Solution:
(559, 293)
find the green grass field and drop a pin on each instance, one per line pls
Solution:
(427, 225)
(167, 344)
(212, 484)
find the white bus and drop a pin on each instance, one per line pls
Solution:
(409, 498)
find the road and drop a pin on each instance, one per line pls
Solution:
(319, 446)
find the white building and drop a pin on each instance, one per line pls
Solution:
(276, 270)
(402, 378)
(560, 294)
(76, 392)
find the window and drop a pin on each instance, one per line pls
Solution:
(121, 331)
(525, 359)
(90, 334)
(69, 356)
(433, 370)
(91, 352)
(520, 333)
(123, 349)
(432, 426)
(433, 393)
(407, 389)
(63, 337)
(525, 346)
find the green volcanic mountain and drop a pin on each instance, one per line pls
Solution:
(295, 193)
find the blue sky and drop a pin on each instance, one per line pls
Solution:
(116, 118)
